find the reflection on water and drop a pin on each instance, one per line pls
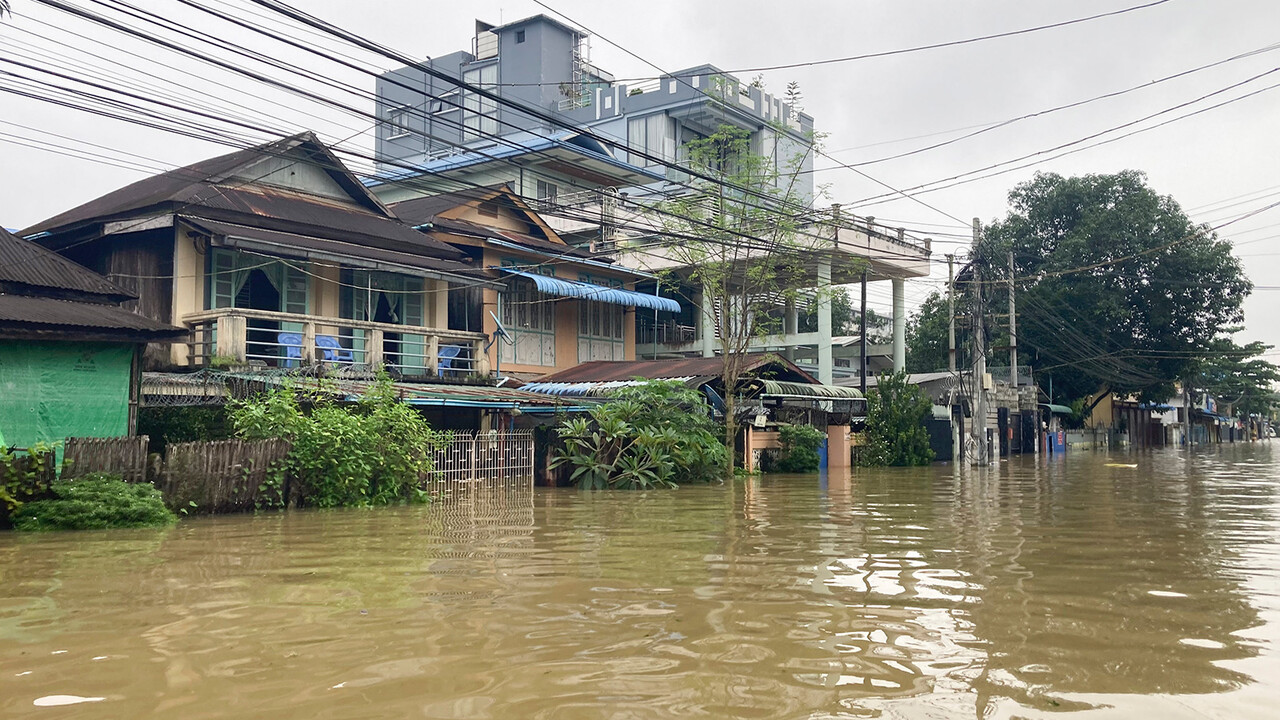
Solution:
(1039, 586)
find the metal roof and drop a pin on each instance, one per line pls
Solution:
(294, 244)
(781, 388)
(29, 269)
(21, 312)
(211, 384)
(213, 189)
(587, 389)
(577, 289)
(698, 368)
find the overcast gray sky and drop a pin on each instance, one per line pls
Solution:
(1218, 164)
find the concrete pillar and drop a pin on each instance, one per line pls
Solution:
(839, 451)
(790, 326)
(707, 324)
(899, 325)
(826, 360)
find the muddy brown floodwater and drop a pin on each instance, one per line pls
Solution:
(1076, 586)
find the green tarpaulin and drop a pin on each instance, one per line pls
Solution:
(50, 391)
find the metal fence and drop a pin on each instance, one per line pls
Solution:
(488, 459)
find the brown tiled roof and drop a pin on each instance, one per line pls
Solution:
(207, 189)
(700, 367)
(28, 269)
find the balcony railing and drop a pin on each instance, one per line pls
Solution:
(664, 333)
(288, 340)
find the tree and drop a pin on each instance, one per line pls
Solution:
(1238, 375)
(1117, 289)
(896, 415)
(749, 247)
(927, 335)
(846, 319)
(648, 435)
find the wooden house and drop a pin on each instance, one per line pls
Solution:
(70, 355)
(275, 257)
(559, 305)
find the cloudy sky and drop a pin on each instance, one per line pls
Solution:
(1219, 164)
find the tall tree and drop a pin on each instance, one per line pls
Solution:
(749, 250)
(1237, 374)
(927, 335)
(1117, 288)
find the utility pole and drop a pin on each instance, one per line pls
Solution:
(1013, 351)
(951, 356)
(1186, 413)
(980, 354)
(1013, 330)
(951, 314)
(862, 341)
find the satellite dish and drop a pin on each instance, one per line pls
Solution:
(502, 332)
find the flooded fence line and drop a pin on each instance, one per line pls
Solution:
(225, 476)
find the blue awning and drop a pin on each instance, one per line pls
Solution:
(599, 293)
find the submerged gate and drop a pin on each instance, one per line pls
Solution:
(483, 459)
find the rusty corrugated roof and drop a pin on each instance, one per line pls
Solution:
(21, 312)
(306, 243)
(700, 367)
(28, 269)
(212, 189)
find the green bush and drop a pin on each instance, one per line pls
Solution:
(95, 502)
(800, 445)
(372, 453)
(896, 415)
(24, 477)
(648, 435)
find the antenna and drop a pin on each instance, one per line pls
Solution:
(502, 331)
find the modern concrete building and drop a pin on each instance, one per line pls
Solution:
(592, 155)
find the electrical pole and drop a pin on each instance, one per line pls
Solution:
(1186, 413)
(1013, 330)
(862, 341)
(951, 314)
(951, 357)
(1013, 351)
(980, 354)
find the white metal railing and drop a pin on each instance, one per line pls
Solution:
(284, 340)
(489, 458)
(646, 86)
(664, 333)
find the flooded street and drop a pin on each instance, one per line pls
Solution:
(1084, 584)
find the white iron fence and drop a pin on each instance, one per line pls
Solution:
(483, 459)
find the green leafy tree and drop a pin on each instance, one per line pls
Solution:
(1237, 374)
(653, 434)
(896, 415)
(800, 445)
(846, 319)
(749, 248)
(927, 335)
(1117, 289)
(375, 452)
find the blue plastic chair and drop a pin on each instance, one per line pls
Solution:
(448, 354)
(333, 350)
(292, 344)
